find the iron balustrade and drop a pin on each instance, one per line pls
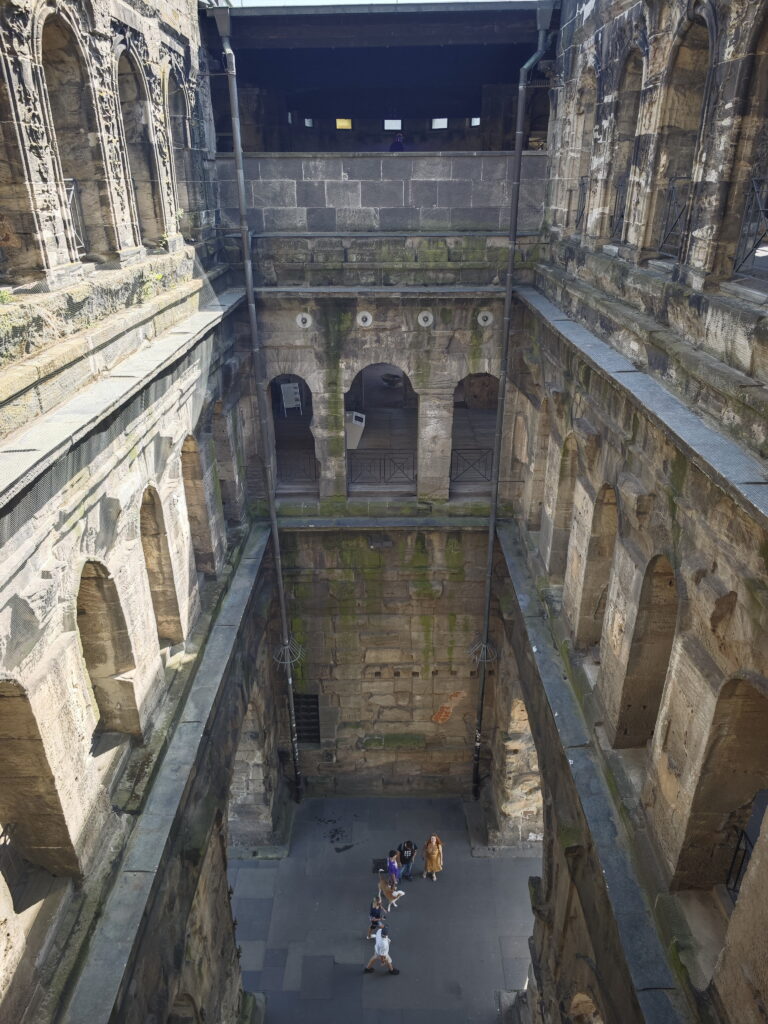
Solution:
(581, 203)
(381, 466)
(739, 864)
(619, 207)
(296, 467)
(675, 208)
(752, 247)
(471, 465)
(76, 214)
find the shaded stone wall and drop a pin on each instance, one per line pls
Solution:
(382, 192)
(387, 619)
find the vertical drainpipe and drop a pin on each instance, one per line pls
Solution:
(544, 14)
(222, 18)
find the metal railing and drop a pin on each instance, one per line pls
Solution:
(675, 208)
(581, 202)
(752, 248)
(739, 864)
(381, 466)
(619, 208)
(296, 467)
(76, 214)
(471, 465)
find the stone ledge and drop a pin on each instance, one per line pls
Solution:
(34, 449)
(119, 927)
(722, 460)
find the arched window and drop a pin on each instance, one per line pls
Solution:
(678, 138)
(563, 512)
(625, 132)
(649, 653)
(193, 477)
(597, 569)
(157, 557)
(107, 650)
(20, 252)
(34, 826)
(78, 141)
(178, 115)
(142, 159)
(585, 129)
(730, 798)
(475, 402)
(297, 467)
(381, 418)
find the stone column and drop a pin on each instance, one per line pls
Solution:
(434, 443)
(330, 442)
(578, 550)
(551, 481)
(180, 545)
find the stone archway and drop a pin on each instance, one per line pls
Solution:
(298, 469)
(157, 557)
(475, 403)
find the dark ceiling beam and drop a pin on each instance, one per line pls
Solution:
(408, 30)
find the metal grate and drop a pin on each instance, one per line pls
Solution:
(378, 466)
(739, 864)
(752, 249)
(675, 207)
(471, 465)
(306, 706)
(76, 214)
(619, 207)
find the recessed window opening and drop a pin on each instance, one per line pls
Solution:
(344, 124)
(439, 122)
(393, 124)
(306, 706)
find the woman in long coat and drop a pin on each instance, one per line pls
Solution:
(433, 856)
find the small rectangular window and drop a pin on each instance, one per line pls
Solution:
(306, 706)
(474, 122)
(344, 124)
(439, 122)
(393, 124)
(290, 117)
(309, 122)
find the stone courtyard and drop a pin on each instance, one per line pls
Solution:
(458, 943)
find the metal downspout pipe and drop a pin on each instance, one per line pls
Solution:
(222, 18)
(483, 648)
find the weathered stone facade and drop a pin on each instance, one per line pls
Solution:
(143, 717)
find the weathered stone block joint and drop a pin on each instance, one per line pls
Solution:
(147, 432)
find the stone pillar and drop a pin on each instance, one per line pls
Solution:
(179, 537)
(434, 443)
(229, 462)
(578, 550)
(214, 509)
(328, 431)
(551, 481)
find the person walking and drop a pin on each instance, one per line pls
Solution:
(382, 953)
(433, 856)
(376, 914)
(407, 851)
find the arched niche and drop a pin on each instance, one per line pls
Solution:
(107, 650)
(730, 796)
(193, 478)
(682, 107)
(78, 140)
(563, 512)
(625, 133)
(475, 405)
(33, 825)
(297, 467)
(136, 117)
(157, 558)
(649, 653)
(381, 448)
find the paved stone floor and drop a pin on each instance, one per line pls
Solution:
(302, 920)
